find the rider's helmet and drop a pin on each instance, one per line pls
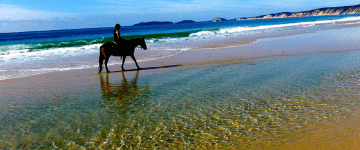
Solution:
(117, 26)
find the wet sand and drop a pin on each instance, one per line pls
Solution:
(342, 133)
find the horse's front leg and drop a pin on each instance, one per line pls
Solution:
(133, 57)
(123, 61)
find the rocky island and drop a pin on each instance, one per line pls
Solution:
(218, 19)
(185, 21)
(153, 23)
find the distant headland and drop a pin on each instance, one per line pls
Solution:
(343, 10)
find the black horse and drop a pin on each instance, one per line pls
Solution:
(125, 48)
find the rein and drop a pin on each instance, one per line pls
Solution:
(139, 46)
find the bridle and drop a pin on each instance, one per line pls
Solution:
(140, 44)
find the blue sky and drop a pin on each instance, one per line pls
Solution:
(36, 15)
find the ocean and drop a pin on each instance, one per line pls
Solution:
(29, 53)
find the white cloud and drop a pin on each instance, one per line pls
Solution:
(155, 6)
(14, 13)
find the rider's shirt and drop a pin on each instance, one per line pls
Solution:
(116, 35)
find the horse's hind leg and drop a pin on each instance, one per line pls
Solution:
(101, 59)
(106, 61)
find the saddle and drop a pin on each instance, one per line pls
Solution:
(119, 41)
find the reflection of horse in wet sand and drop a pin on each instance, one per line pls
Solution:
(123, 49)
(122, 96)
(119, 90)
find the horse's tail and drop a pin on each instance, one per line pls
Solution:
(102, 51)
(101, 57)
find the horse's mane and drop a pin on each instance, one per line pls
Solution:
(132, 40)
(135, 39)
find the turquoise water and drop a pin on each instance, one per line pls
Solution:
(238, 105)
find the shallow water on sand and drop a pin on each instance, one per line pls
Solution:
(235, 105)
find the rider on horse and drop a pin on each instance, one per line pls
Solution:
(117, 38)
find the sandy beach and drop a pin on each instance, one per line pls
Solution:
(128, 95)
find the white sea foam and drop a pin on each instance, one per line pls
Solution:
(239, 30)
(203, 34)
(20, 63)
(54, 52)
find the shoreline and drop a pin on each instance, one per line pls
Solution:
(241, 47)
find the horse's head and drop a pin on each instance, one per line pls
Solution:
(142, 43)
